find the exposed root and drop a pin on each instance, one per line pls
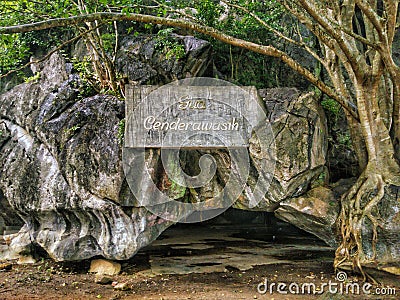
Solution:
(359, 204)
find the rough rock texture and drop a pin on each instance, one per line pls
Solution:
(104, 267)
(315, 212)
(299, 128)
(8, 217)
(62, 170)
(8, 82)
(142, 62)
(388, 246)
(299, 132)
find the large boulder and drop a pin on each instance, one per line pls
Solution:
(386, 247)
(315, 212)
(62, 171)
(299, 128)
(150, 59)
(62, 166)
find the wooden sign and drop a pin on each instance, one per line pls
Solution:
(179, 116)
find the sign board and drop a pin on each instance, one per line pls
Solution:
(180, 116)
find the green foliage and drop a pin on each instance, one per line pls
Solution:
(344, 139)
(14, 51)
(83, 68)
(248, 68)
(121, 131)
(243, 67)
(71, 131)
(331, 106)
(108, 41)
(322, 179)
(208, 11)
(33, 78)
(169, 45)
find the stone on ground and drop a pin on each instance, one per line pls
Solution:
(104, 267)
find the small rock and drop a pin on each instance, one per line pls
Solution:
(5, 267)
(102, 279)
(104, 267)
(122, 286)
(392, 270)
(28, 259)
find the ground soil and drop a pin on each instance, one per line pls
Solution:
(285, 256)
(50, 280)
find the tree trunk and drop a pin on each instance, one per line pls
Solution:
(360, 203)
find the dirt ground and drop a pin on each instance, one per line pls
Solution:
(49, 280)
(202, 263)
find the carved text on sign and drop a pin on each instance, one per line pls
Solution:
(190, 116)
(151, 123)
(190, 103)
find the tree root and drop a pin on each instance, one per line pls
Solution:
(359, 204)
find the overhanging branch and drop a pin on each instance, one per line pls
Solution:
(185, 24)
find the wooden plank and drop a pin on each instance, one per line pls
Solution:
(191, 116)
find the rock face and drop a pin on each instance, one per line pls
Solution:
(8, 217)
(146, 58)
(299, 127)
(387, 245)
(62, 171)
(315, 212)
(104, 267)
(62, 168)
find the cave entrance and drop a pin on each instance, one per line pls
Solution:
(235, 240)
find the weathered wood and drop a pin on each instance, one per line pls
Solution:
(191, 116)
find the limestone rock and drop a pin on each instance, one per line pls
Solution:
(104, 267)
(122, 286)
(102, 279)
(26, 260)
(62, 167)
(64, 157)
(299, 127)
(315, 212)
(143, 62)
(62, 172)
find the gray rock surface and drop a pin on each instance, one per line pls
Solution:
(299, 128)
(387, 245)
(315, 212)
(8, 217)
(62, 169)
(142, 62)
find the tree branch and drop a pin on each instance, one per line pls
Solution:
(50, 53)
(331, 29)
(265, 50)
(373, 17)
(277, 32)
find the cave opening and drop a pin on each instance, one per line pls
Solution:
(236, 240)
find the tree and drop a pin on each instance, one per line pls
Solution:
(355, 39)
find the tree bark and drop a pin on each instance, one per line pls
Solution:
(360, 203)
